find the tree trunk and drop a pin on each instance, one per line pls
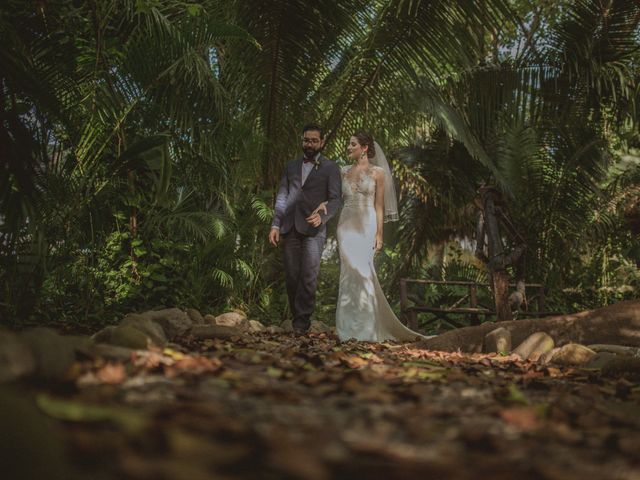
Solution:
(500, 284)
(617, 324)
(496, 264)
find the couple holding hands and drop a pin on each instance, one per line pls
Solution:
(311, 191)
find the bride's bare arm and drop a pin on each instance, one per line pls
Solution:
(379, 204)
(321, 208)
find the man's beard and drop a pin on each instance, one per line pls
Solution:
(311, 152)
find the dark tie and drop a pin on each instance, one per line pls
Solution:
(309, 160)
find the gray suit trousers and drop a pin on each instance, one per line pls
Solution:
(302, 255)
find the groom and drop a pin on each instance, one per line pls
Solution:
(306, 183)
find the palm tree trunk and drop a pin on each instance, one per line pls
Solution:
(496, 264)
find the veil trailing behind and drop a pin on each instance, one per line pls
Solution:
(363, 312)
(390, 198)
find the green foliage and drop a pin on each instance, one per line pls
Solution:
(142, 141)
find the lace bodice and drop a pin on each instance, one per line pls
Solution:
(359, 189)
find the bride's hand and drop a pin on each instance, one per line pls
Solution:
(321, 208)
(378, 245)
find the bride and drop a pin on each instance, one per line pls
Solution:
(369, 199)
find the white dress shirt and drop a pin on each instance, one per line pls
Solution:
(306, 168)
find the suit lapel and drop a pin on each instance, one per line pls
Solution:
(314, 170)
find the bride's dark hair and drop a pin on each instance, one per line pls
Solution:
(366, 140)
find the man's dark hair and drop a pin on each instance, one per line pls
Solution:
(313, 126)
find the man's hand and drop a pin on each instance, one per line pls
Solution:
(315, 219)
(274, 236)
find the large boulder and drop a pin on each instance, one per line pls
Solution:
(173, 321)
(16, 359)
(147, 326)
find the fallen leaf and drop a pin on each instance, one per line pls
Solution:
(111, 373)
(522, 417)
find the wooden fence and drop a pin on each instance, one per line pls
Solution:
(467, 305)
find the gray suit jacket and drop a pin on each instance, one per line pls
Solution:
(295, 202)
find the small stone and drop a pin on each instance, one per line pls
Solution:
(498, 340)
(629, 444)
(202, 332)
(534, 346)
(618, 349)
(129, 337)
(233, 319)
(195, 316)
(600, 360)
(623, 366)
(209, 319)
(54, 354)
(275, 329)
(103, 350)
(256, 326)
(319, 327)
(104, 335)
(16, 360)
(572, 354)
(32, 445)
(287, 326)
(546, 357)
(150, 328)
(173, 321)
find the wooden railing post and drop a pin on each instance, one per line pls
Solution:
(409, 316)
(473, 296)
(473, 303)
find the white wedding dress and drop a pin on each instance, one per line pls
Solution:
(362, 312)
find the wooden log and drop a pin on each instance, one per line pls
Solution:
(617, 324)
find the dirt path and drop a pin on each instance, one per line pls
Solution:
(275, 406)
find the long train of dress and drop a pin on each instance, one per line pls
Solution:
(363, 311)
